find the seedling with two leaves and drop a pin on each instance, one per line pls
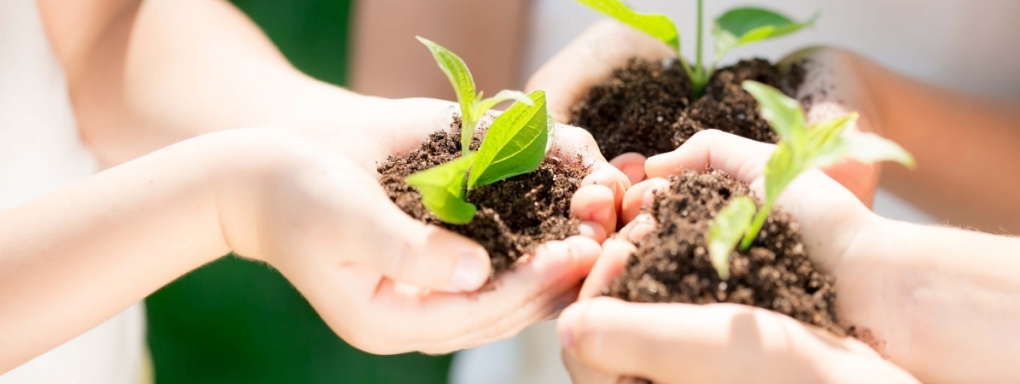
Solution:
(801, 148)
(515, 143)
(735, 28)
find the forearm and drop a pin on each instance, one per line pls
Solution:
(953, 299)
(961, 143)
(164, 71)
(387, 61)
(74, 258)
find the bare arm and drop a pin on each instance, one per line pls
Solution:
(966, 149)
(954, 300)
(147, 74)
(77, 257)
(388, 62)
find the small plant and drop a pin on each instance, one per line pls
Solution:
(800, 148)
(737, 27)
(514, 144)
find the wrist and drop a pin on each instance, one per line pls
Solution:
(882, 281)
(239, 163)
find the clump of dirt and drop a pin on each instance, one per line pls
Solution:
(649, 107)
(672, 264)
(514, 215)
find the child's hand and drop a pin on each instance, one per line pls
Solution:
(606, 340)
(830, 85)
(385, 282)
(838, 231)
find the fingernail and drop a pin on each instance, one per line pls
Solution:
(471, 273)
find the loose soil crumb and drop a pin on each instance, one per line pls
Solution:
(672, 264)
(649, 108)
(514, 215)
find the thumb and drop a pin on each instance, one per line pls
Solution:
(411, 252)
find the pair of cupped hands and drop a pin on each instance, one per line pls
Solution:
(388, 283)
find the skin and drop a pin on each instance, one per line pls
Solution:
(606, 45)
(160, 90)
(939, 313)
(941, 301)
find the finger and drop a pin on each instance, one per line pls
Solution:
(427, 256)
(609, 266)
(638, 229)
(637, 197)
(861, 179)
(589, 59)
(592, 230)
(530, 293)
(742, 158)
(583, 374)
(595, 204)
(576, 146)
(377, 317)
(699, 343)
(632, 165)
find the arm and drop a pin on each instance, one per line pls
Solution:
(954, 311)
(965, 148)
(941, 303)
(75, 258)
(387, 61)
(147, 74)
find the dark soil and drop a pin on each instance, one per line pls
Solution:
(650, 108)
(672, 264)
(514, 215)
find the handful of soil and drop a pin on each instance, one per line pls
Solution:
(514, 216)
(650, 108)
(672, 264)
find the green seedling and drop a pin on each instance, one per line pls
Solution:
(472, 105)
(515, 144)
(735, 28)
(801, 147)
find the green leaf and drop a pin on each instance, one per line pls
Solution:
(784, 115)
(824, 140)
(782, 168)
(515, 143)
(742, 26)
(655, 25)
(728, 227)
(459, 75)
(442, 190)
(865, 147)
(484, 105)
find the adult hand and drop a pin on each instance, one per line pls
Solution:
(829, 85)
(836, 229)
(385, 282)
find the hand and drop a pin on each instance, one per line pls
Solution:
(368, 140)
(837, 229)
(831, 87)
(385, 282)
(607, 340)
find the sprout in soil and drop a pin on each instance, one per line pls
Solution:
(514, 144)
(737, 27)
(800, 148)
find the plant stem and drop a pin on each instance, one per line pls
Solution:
(700, 31)
(467, 132)
(756, 224)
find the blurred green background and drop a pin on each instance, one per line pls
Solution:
(236, 321)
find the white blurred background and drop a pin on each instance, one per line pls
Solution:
(967, 45)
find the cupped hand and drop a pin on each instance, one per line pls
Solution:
(405, 124)
(386, 282)
(831, 85)
(736, 340)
